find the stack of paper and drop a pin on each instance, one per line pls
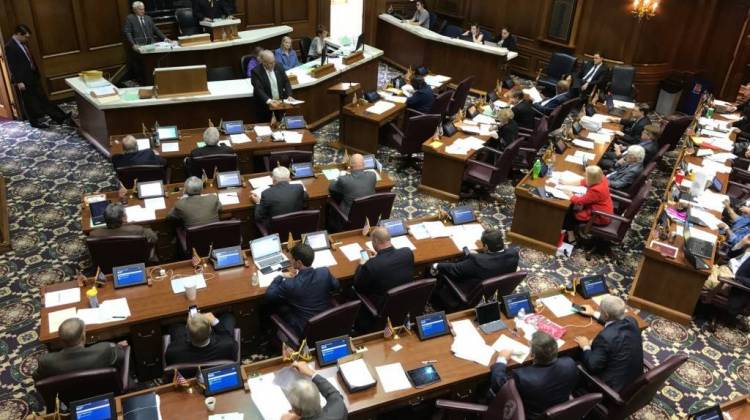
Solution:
(559, 305)
(54, 319)
(584, 144)
(239, 138)
(469, 345)
(356, 373)
(518, 351)
(709, 219)
(62, 297)
(402, 242)
(139, 214)
(263, 131)
(292, 101)
(324, 258)
(721, 157)
(533, 94)
(229, 198)
(268, 397)
(115, 309)
(599, 137)
(436, 229)
(602, 118)
(435, 80)
(466, 235)
(263, 181)
(156, 203)
(351, 251)
(380, 107)
(465, 145)
(392, 377)
(394, 98)
(483, 119)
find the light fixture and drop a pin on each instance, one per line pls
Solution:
(645, 8)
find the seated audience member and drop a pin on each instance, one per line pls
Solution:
(597, 197)
(647, 142)
(616, 355)
(358, 183)
(738, 269)
(304, 397)
(212, 147)
(318, 44)
(280, 198)
(546, 383)
(203, 338)
(303, 292)
(114, 216)
(422, 98)
(131, 156)
(592, 75)
(738, 229)
(270, 85)
(633, 127)
(421, 16)
(387, 268)
(627, 169)
(286, 55)
(562, 95)
(194, 209)
(253, 62)
(523, 111)
(507, 40)
(742, 126)
(75, 356)
(507, 130)
(476, 34)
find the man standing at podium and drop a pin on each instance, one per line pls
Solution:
(140, 29)
(209, 10)
(270, 85)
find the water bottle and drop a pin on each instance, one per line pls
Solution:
(536, 169)
(255, 280)
(93, 300)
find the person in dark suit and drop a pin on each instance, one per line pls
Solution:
(195, 209)
(562, 95)
(592, 75)
(492, 260)
(546, 383)
(633, 127)
(387, 268)
(303, 291)
(140, 29)
(422, 98)
(132, 156)
(625, 172)
(507, 40)
(616, 355)
(507, 130)
(24, 73)
(358, 183)
(211, 138)
(304, 397)
(523, 111)
(209, 10)
(203, 338)
(280, 198)
(270, 84)
(76, 356)
(114, 216)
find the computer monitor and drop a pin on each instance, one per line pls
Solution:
(710, 413)
(302, 170)
(487, 312)
(100, 407)
(265, 246)
(369, 161)
(461, 215)
(150, 189)
(294, 122)
(229, 179)
(97, 212)
(591, 286)
(227, 257)
(330, 350)
(167, 132)
(360, 42)
(515, 302)
(221, 379)
(395, 227)
(318, 240)
(716, 184)
(233, 127)
(129, 275)
(432, 325)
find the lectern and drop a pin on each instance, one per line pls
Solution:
(222, 29)
(180, 81)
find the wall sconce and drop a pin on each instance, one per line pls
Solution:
(644, 8)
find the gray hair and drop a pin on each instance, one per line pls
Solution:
(614, 307)
(211, 136)
(637, 153)
(114, 214)
(193, 186)
(71, 332)
(129, 144)
(199, 329)
(304, 398)
(267, 56)
(543, 348)
(280, 174)
(137, 4)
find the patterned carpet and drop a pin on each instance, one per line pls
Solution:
(48, 171)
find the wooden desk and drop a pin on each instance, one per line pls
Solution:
(362, 128)
(249, 155)
(738, 408)
(442, 172)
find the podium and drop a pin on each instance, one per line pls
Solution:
(180, 81)
(222, 29)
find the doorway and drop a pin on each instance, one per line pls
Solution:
(346, 20)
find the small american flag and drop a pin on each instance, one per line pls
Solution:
(388, 331)
(196, 258)
(101, 278)
(180, 380)
(366, 227)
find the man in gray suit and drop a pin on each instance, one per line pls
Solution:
(195, 209)
(358, 183)
(304, 397)
(280, 198)
(627, 169)
(140, 29)
(114, 216)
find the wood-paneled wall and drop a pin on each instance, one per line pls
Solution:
(74, 35)
(690, 37)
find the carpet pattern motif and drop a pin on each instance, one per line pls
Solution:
(48, 171)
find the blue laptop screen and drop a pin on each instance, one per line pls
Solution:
(129, 275)
(228, 257)
(369, 161)
(94, 410)
(334, 350)
(395, 227)
(302, 170)
(234, 127)
(595, 286)
(432, 325)
(514, 303)
(462, 215)
(223, 379)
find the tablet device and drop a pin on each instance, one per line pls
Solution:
(227, 257)
(591, 286)
(710, 413)
(150, 189)
(302, 170)
(229, 179)
(100, 407)
(129, 275)
(487, 313)
(233, 127)
(318, 240)
(294, 122)
(517, 301)
(716, 185)
(423, 376)
(370, 97)
(369, 161)
(395, 227)
(167, 132)
(432, 325)
(221, 379)
(461, 215)
(330, 350)
(97, 212)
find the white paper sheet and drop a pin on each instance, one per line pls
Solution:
(58, 317)
(263, 130)
(324, 258)
(292, 137)
(419, 231)
(178, 284)
(239, 138)
(533, 94)
(356, 373)
(115, 309)
(268, 398)
(90, 316)
(229, 198)
(62, 297)
(436, 229)
(169, 147)
(584, 144)
(559, 305)
(402, 242)
(351, 251)
(139, 214)
(261, 181)
(519, 351)
(380, 107)
(392, 377)
(227, 416)
(156, 203)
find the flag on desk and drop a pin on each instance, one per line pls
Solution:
(366, 227)
(196, 258)
(388, 331)
(101, 278)
(179, 380)
(122, 192)
(286, 352)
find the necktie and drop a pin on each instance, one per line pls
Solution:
(591, 73)
(28, 55)
(143, 28)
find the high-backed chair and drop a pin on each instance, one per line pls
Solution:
(215, 74)
(372, 207)
(577, 408)
(718, 298)
(186, 22)
(619, 224)
(243, 64)
(417, 130)
(557, 116)
(127, 174)
(673, 131)
(460, 95)
(286, 158)
(407, 299)
(489, 175)
(637, 182)
(114, 251)
(296, 223)
(439, 106)
(83, 384)
(531, 145)
(210, 236)
(622, 86)
(221, 162)
(619, 405)
(559, 65)
(304, 48)
(452, 31)
(189, 370)
(334, 322)
(504, 285)
(660, 153)
(507, 405)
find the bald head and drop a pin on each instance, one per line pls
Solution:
(129, 145)
(72, 332)
(356, 162)
(267, 59)
(381, 239)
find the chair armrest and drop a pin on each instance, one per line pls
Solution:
(165, 340)
(491, 150)
(482, 164)
(457, 290)
(410, 112)
(610, 215)
(647, 364)
(125, 371)
(621, 197)
(525, 131)
(527, 149)
(395, 128)
(367, 303)
(335, 206)
(285, 329)
(238, 340)
(602, 387)
(463, 407)
(733, 283)
(739, 186)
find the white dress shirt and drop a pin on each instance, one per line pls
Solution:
(274, 85)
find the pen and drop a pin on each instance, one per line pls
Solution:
(427, 362)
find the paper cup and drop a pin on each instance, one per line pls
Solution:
(191, 291)
(210, 403)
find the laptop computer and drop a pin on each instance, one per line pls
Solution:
(97, 212)
(698, 247)
(229, 179)
(267, 254)
(488, 317)
(100, 407)
(150, 189)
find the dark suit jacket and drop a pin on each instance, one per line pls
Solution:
(196, 210)
(203, 9)
(506, 134)
(623, 176)
(125, 230)
(540, 386)
(650, 147)
(354, 185)
(475, 268)
(597, 79)
(335, 408)
(552, 103)
(616, 355)
(207, 150)
(221, 347)
(281, 198)
(137, 35)
(523, 114)
(738, 299)
(305, 295)
(19, 65)
(390, 268)
(633, 129)
(262, 85)
(74, 359)
(511, 43)
(141, 157)
(421, 100)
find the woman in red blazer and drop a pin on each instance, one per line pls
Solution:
(597, 197)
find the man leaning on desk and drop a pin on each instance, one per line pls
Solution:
(208, 10)
(270, 84)
(304, 397)
(140, 29)
(280, 198)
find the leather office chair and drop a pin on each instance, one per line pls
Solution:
(637, 182)
(487, 176)
(186, 22)
(221, 162)
(619, 224)
(372, 207)
(114, 251)
(504, 285)
(333, 322)
(433, 21)
(576, 408)
(439, 106)
(460, 95)
(559, 65)
(189, 370)
(203, 237)
(557, 116)
(76, 386)
(531, 144)
(417, 130)
(660, 153)
(296, 223)
(304, 46)
(127, 174)
(243, 64)
(619, 405)
(506, 405)
(622, 86)
(673, 131)
(718, 298)
(286, 158)
(452, 31)
(407, 299)
(488, 36)
(221, 73)
(440, 27)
